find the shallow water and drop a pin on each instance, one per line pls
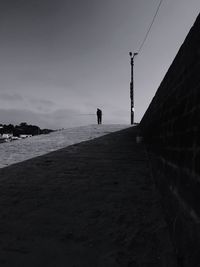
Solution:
(20, 150)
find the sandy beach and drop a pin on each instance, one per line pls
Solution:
(90, 204)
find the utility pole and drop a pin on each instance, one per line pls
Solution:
(132, 56)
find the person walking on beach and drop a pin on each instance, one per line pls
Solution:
(99, 116)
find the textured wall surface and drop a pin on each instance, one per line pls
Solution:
(171, 129)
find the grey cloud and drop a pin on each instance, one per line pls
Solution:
(15, 116)
(70, 118)
(42, 105)
(42, 101)
(62, 118)
(11, 97)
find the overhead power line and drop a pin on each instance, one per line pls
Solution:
(87, 114)
(150, 26)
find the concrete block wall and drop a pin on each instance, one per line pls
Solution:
(171, 130)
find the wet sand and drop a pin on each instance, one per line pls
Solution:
(90, 204)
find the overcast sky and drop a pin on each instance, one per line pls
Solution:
(61, 59)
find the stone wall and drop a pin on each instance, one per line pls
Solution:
(171, 130)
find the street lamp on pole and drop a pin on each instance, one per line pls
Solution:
(132, 56)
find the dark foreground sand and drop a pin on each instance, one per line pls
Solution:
(91, 204)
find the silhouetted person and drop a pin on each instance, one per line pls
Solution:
(99, 116)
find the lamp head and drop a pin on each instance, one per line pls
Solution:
(130, 54)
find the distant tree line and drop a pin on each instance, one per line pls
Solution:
(23, 128)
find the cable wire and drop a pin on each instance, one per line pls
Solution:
(150, 26)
